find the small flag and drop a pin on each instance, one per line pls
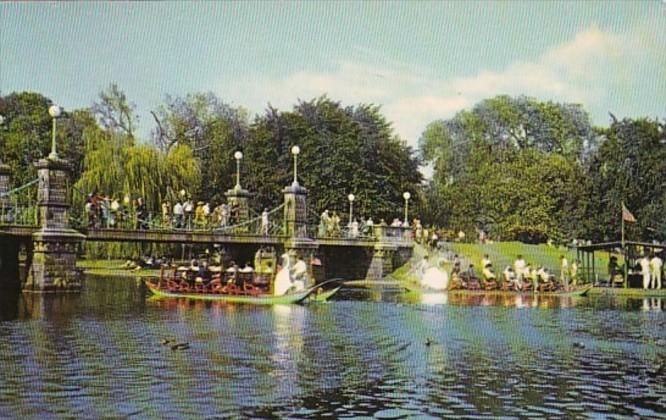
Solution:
(627, 216)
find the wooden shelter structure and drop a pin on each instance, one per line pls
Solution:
(630, 251)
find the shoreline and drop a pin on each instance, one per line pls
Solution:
(628, 292)
(101, 267)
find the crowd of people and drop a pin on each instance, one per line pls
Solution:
(520, 276)
(651, 270)
(111, 212)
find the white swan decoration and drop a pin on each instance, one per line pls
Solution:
(431, 277)
(284, 281)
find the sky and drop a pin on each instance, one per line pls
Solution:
(421, 61)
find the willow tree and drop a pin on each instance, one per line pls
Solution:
(511, 166)
(115, 167)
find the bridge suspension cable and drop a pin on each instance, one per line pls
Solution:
(20, 188)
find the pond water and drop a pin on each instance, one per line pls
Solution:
(383, 355)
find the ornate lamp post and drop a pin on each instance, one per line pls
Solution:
(406, 195)
(351, 198)
(54, 111)
(238, 156)
(2, 122)
(295, 151)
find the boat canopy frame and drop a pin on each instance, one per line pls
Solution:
(630, 251)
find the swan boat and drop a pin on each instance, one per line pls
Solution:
(265, 285)
(578, 291)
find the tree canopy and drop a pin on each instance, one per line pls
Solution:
(344, 150)
(510, 166)
(517, 167)
(25, 135)
(629, 167)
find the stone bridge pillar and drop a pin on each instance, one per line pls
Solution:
(5, 180)
(381, 263)
(56, 244)
(391, 250)
(295, 223)
(238, 199)
(295, 211)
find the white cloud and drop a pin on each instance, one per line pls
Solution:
(581, 70)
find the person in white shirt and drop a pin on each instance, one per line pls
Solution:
(353, 231)
(656, 265)
(564, 271)
(264, 222)
(178, 214)
(645, 271)
(188, 209)
(115, 210)
(520, 268)
(511, 278)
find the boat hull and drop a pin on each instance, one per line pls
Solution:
(310, 294)
(323, 296)
(581, 291)
(254, 300)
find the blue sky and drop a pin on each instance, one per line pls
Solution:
(420, 61)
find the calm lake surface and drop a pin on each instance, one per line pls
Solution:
(99, 354)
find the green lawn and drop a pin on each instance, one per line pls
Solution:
(502, 254)
(505, 253)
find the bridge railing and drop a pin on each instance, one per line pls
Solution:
(155, 222)
(396, 234)
(21, 215)
(19, 205)
(402, 235)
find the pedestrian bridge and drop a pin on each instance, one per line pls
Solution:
(42, 226)
(204, 237)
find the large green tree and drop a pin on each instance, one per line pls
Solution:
(511, 166)
(212, 129)
(629, 167)
(343, 150)
(25, 135)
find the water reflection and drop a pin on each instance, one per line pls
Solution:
(653, 304)
(479, 299)
(366, 354)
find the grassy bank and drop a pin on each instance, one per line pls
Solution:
(501, 254)
(505, 253)
(631, 293)
(103, 267)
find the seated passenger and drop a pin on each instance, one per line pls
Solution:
(469, 278)
(531, 279)
(510, 280)
(546, 280)
(232, 267)
(456, 281)
(489, 278)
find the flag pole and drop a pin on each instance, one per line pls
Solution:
(623, 225)
(624, 250)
